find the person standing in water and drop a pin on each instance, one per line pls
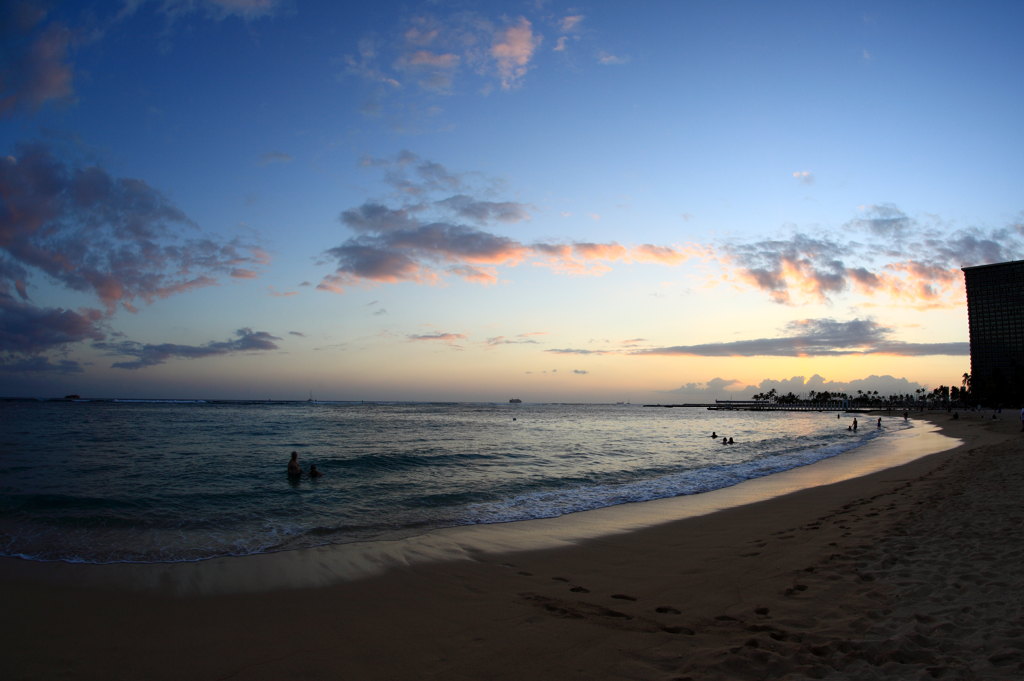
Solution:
(294, 470)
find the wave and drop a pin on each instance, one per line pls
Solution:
(140, 401)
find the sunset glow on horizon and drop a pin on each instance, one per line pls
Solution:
(648, 202)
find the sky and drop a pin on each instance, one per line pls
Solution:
(472, 201)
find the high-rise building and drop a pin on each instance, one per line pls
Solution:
(995, 312)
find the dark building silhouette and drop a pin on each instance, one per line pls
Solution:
(995, 312)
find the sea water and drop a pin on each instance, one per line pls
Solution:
(166, 481)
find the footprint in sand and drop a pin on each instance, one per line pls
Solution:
(580, 590)
(667, 610)
(679, 630)
(624, 597)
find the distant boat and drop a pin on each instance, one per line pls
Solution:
(515, 400)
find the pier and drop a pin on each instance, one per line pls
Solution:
(760, 405)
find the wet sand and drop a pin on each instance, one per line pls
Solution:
(912, 572)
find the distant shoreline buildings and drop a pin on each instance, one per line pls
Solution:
(995, 313)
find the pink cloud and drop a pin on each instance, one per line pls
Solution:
(117, 238)
(477, 275)
(571, 23)
(590, 251)
(666, 255)
(427, 58)
(513, 49)
(424, 239)
(447, 337)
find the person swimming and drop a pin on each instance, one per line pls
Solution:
(294, 470)
(714, 435)
(313, 472)
(730, 441)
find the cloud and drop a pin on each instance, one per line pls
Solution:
(214, 9)
(885, 385)
(413, 254)
(804, 176)
(375, 217)
(609, 59)
(483, 212)
(709, 391)
(434, 54)
(521, 339)
(431, 70)
(579, 351)
(571, 23)
(364, 65)
(719, 388)
(275, 157)
(883, 220)
(807, 264)
(29, 330)
(433, 60)
(732, 389)
(34, 64)
(883, 253)
(437, 337)
(147, 354)
(817, 338)
(513, 49)
(116, 238)
(425, 239)
(40, 365)
(449, 339)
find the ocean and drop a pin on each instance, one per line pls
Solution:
(109, 481)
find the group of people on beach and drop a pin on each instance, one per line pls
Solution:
(295, 470)
(853, 426)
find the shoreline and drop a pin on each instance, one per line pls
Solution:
(778, 583)
(332, 563)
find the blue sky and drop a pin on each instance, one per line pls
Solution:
(651, 201)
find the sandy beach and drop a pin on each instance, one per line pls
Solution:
(914, 572)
